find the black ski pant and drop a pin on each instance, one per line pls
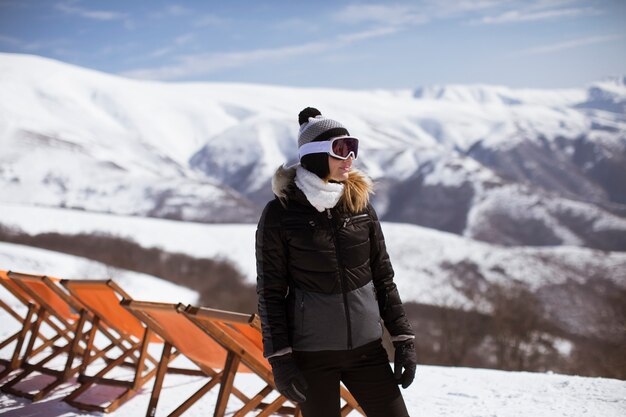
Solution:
(365, 371)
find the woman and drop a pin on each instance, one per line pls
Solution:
(325, 281)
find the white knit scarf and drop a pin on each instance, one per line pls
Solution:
(322, 195)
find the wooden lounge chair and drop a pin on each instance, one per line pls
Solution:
(102, 299)
(240, 335)
(38, 341)
(212, 359)
(65, 317)
(24, 321)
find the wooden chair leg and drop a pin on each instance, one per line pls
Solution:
(197, 395)
(138, 380)
(78, 335)
(254, 402)
(158, 381)
(230, 370)
(272, 407)
(90, 340)
(9, 310)
(15, 358)
(34, 332)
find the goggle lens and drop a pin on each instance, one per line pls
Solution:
(342, 147)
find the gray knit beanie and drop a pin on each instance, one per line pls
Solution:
(315, 128)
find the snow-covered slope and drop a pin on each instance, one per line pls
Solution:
(72, 137)
(437, 391)
(44, 262)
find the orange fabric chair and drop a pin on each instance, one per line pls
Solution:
(24, 320)
(66, 317)
(212, 359)
(233, 333)
(240, 335)
(102, 299)
(28, 326)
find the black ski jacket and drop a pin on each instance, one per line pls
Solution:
(324, 280)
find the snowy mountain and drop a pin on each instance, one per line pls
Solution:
(508, 166)
(436, 391)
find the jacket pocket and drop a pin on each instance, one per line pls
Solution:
(320, 322)
(363, 304)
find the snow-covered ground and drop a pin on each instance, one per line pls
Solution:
(436, 392)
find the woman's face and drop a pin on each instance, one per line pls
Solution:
(339, 169)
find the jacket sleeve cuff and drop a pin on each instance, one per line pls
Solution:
(402, 337)
(280, 352)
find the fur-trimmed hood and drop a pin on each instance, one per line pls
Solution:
(356, 191)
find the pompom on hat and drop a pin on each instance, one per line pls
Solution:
(316, 128)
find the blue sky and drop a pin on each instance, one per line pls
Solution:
(339, 44)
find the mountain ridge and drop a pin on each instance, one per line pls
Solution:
(75, 137)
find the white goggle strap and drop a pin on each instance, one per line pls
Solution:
(314, 147)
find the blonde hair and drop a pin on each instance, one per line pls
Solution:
(356, 191)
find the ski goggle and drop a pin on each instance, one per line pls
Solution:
(340, 147)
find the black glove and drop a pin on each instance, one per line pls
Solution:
(406, 358)
(288, 378)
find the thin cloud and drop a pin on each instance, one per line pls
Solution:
(571, 44)
(127, 48)
(160, 52)
(184, 39)
(481, 11)
(442, 9)
(11, 41)
(208, 20)
(173, 10)
(179, 41)
(69, 8)
(367, 34)
(296, 23)
(203, 64)
(551, 4)
(177, 10)
(514, 16)
(403, 15)
(388, 15)
(195, 20)
(33, 46)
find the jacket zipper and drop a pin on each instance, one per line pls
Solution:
(302, 311)
(342, 280)
(349, 219)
